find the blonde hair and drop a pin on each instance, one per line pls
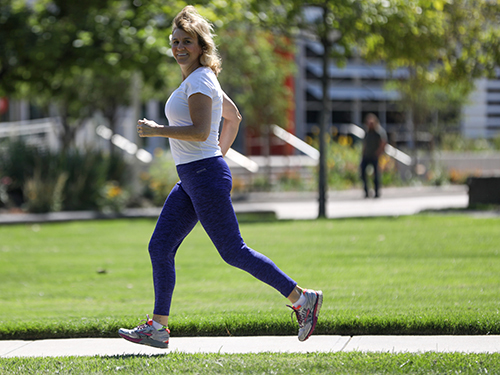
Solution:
(191, 22)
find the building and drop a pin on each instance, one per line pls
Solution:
(360, 88)
(355, 90)
(481, 117)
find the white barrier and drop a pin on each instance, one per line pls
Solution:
(41, 132)
(123, 143)
(242, 160)
(296, 142)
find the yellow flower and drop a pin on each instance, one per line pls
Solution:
(114, 191)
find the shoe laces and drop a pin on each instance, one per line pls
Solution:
(145, 324)
(300, 315)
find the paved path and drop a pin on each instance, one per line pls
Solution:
(351, 203)
(227, 345)
(395, 206)
(298, 206)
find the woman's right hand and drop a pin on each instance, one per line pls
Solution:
(148, 128)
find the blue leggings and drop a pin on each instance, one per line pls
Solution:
(204, 194)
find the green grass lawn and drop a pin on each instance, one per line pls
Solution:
(265, 363)
(425, 274)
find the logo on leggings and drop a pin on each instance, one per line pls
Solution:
(202, 170)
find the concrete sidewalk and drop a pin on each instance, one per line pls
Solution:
(351, 203)
(297, 205)
(230, 345)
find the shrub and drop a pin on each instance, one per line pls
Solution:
(343, 162)
(112, 197)
(457, 142)
(160, 178)
(43, 181)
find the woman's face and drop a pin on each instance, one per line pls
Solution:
(185, 48)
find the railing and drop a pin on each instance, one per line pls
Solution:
(296, 142)
(32, 130)
(124, 144)
(242, 160)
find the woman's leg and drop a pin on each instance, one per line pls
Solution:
(208, 183)
(176, 220)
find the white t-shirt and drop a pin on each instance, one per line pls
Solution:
(204, 81)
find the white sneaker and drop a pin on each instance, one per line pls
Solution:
(146, 334)
(307, 313)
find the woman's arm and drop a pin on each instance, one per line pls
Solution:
(200, 109)
(232, 119)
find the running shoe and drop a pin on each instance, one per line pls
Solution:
(307, 313)
(146, 334)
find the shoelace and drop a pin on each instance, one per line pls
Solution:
(300, 315)
(143, 325)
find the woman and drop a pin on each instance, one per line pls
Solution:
(194, 111)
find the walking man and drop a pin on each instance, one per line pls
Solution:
(373, 146)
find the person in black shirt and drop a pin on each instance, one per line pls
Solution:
(373, 146)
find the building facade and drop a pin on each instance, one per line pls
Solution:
(481, 116)
(359, 88)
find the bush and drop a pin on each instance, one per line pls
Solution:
(113, 198)
(160, 178)
(44, 181)
(343, 163)
(457, 142)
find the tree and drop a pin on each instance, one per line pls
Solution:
(80, 56)
(333, 23)
(444, 46)
(255, 73)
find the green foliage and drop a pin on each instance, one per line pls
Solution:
(344, 159)
(112, 198)
(81, 56)
(43, 194)
(426, 274)
(84, 56)
(344, 26)
(343, 164)
(456, 142)
(45, 181)
(160, 178)
(455, 37)
(496, 142)
(444, 45)
(434, 107)
(292, 181)
(256, 64)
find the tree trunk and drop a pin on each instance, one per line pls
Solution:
(324, 119)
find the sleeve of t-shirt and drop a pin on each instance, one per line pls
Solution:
(200, 84)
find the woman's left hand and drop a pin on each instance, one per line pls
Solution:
(148, 128)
